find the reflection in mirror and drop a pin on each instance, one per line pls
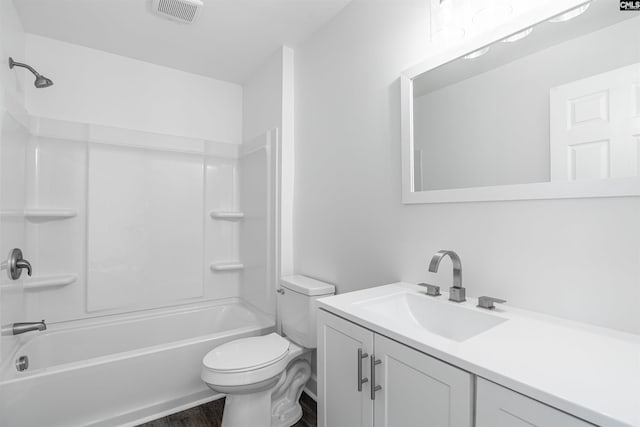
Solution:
(556, 102)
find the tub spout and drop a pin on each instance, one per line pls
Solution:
(21, 328)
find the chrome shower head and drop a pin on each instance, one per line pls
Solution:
(40, 82)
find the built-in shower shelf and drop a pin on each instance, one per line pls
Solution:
(228, 215)
(49, 214)
(227, 266)
(48, 282)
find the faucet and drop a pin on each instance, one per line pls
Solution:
(21, 328)
(456, 292)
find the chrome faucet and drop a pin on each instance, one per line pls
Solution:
(456, 292)
(21, 328)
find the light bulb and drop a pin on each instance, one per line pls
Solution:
(478, 53)
(518, 36)
(571, 14)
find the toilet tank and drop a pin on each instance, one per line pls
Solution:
(297, 307)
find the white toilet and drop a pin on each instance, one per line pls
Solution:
(263, 377)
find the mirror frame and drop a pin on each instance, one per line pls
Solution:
(618, 187)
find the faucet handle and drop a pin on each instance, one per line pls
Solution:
(432, 290)
(487, 302)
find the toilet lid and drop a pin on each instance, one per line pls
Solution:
(247, 353)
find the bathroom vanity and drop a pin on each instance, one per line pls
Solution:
(394, 356)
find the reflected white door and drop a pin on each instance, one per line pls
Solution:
(595, 127)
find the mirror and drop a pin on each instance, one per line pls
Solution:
(553, 103)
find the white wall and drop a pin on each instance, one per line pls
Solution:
(91, 86)
(262, 98)
(578, 259)
(13, 139)
(515, 94)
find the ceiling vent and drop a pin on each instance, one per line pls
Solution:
(184, 11)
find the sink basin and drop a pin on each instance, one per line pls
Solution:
(437, 316)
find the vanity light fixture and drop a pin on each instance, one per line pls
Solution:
(478, 53)
(518, 36)
(573, 13)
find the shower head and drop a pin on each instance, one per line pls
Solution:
(40, 82)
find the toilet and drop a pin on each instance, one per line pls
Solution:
(263, 376)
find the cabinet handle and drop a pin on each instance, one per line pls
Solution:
(361, 355)
(374, 387)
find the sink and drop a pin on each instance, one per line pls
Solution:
(437, 316)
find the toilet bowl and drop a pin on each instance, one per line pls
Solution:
(263, 377)
(256, 373)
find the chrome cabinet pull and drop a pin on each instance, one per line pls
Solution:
(361, 355)
(374, 387)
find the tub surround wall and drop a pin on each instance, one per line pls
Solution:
(148, 116)
(13, 142)
(13, 139)
(258, 242)
(570, 258)
(83, 238)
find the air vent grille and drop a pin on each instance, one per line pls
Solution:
(185, 11)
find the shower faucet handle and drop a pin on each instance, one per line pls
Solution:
(16, 263)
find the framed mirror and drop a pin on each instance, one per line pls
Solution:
(544, 106)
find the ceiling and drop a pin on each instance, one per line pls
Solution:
(230, 39)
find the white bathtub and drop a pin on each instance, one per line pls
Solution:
(121, 371)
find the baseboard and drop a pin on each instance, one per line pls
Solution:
(153, 412)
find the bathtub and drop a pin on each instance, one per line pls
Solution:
(122, 370)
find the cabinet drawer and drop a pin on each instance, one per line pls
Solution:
(497, 406)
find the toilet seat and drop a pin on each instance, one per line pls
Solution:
(246, 361)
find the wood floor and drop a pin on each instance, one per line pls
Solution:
(210, 415)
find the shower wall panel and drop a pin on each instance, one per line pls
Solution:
(119, 220)
(145, 227)
(13, 143)
(258, 239)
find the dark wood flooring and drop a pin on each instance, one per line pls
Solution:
(210, 415)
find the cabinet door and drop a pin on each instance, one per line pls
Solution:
(497, 406)
(418, 390)
(340, 403)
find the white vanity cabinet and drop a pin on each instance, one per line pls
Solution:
(497, 406)
(410, 389)
(340, 346)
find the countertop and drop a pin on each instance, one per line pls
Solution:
(590, 372)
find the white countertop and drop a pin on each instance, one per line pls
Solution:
(590, 372)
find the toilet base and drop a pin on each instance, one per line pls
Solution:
(278, 406)
(241, 410)
(285, 398)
